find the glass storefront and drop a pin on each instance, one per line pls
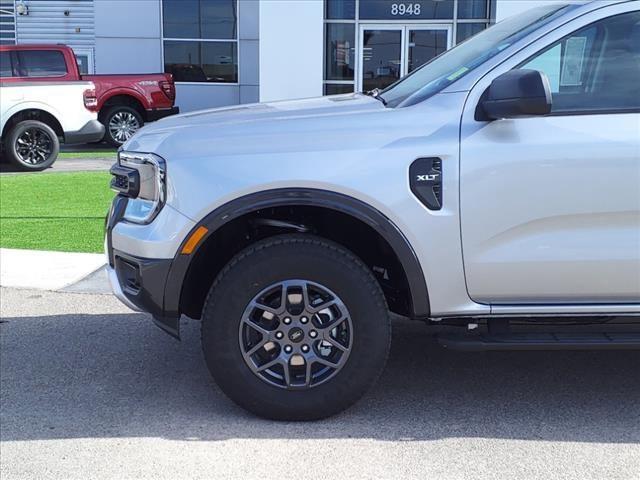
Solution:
(200, 40)
(372, 43)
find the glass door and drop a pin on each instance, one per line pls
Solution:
(389, 52)
(425, 43)
(381, 56)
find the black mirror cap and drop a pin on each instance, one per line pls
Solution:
(517, 94)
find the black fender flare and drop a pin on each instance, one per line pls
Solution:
(304, 197)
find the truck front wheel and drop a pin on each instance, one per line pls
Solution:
(121, 123)
(32, 145)
(295, 328)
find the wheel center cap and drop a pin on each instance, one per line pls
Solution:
(296, 335)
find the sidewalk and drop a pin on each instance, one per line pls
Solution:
(65, 165)
(42, 270)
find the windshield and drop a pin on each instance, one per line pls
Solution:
(454, 64)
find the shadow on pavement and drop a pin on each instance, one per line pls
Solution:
(106, 376)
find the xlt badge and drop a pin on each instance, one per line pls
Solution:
(428, 177)
(425, 176)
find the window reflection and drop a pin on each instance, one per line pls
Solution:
(201, 61)
(210, 19)
(380, 58)
(340, 48)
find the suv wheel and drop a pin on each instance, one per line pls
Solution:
(32, 145)
(121, 123)
(295, 328)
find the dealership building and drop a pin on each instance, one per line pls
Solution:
(226, 52)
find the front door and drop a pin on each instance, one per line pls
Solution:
(389, 52)
(550, 206)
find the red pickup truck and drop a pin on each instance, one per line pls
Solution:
(125, 102)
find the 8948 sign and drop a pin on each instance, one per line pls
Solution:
(401, 9)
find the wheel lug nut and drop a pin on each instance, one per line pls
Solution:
(287, 321)
(279, 335)
(288, 349)
(313, 334)
(304, 320)
(305, 348)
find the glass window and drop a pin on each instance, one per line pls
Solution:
(595, 68)
(468, 30)
(425, 45)
(381, 58)
(83, 63)
(340, 9)
(409, 10)
(5, 64)
(339, 51)
(201, 61)
(458, 62)
(472, 9)
(336, 89)
(198, 58)
(209, 19)
(40, 63)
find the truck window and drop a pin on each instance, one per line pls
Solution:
(595, 68)
(5, 65)
(41, 63)
(454, 64)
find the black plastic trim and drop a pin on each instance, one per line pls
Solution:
(542, 341)
(93, 131)
(305, 197)
(116, 212)
(154, 114)
(146, 291)
(609, 111)
(425, 181)
(125, 181)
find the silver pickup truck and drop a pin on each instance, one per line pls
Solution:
(494, 191)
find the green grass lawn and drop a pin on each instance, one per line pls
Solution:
(89, 154)
(54, 211)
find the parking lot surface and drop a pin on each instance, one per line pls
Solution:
(91, 390)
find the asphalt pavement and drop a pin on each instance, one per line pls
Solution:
(92, 390)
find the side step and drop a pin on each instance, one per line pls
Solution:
(541, 341)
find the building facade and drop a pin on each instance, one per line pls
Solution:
(226, 52)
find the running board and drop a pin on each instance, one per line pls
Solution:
(541, 341)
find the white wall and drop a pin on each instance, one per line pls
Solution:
(291, 49)
(507, 8)
(128, 36)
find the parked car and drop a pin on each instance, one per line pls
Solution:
(125, 102)
(496, 189)
(35, 116)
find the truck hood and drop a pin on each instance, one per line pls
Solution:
(226, 130)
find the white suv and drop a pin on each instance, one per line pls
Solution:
(34, 116)
(496, 189)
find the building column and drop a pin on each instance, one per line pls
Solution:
(291, 49)
(507, 8)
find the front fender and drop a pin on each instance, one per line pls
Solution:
(130, 92)
(302, 197)
(29, 105)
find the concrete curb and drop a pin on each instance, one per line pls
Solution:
(44, 270)
(62, 165)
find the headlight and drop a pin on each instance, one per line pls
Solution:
(141, 177)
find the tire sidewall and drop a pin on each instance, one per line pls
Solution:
(109, 115)
(330, 267)
(16, 131)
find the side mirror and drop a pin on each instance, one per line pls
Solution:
(517, 94)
